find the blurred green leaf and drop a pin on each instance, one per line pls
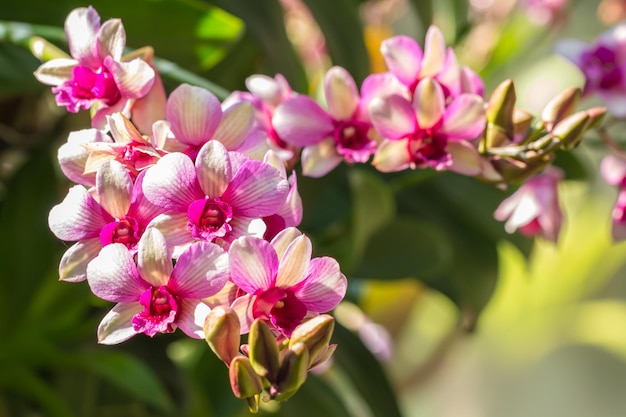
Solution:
(16, 70)
(424, 10)
(572, 164)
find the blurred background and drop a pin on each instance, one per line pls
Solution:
(446, 314)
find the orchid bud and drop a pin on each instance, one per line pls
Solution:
(263, 350)
(315, 333)
(244, 382)
(571, 129)
(560, 107)
(515, 171)
(44, 50)
(293, 372)
(522, 121)
(596, 115)
(500, 110)
(221, 330)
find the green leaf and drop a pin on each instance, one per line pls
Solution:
(16, 70)
(571, 163)
(424, 10)
(343, 31)
(128, 373)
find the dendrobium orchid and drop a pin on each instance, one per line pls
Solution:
(613, 170)
(153, 296)
(603, 64)
(119, 213)
(534, 208)
(96, 76)
(215, 199)
(328, 137)
(282, 284)
(428, 132)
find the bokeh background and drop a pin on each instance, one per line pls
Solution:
(446, 315)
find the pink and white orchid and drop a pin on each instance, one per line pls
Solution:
(153, 296)
(215, 199)
(613, 170)
(282, 284)
(534, 208)
(343, 132)
(96, 76)
(119, 213)
(427, 132)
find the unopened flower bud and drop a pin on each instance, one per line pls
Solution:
(596, 115)
(515, 171)
(263, 351)
(500, 109)
(560, 107)
(315, 333)
(293, 372)
(221, 330)
(244, 381)
(44, 50)
(571, 129)
(521, 121)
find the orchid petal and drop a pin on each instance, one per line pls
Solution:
(253, 264)
(381, 85)
(56, 71)
(113, 276)
(117, 327)
(403, 57)
(81, 28)
(342, 95)
(213, 168)
(464, 118)
(392, 156)
(301, 121)
(173, 226)
(72, 155)
(111, 39)
(149, 111)
(73, 265)
(294, 263)
(191, 316)
(319, 159)
(154, 261)
(393, 116)
(429, 103)
(434, 53)
(78, 216)
(172, 183)
(200, 271)
(465, 158)
(134, 79)
(613, 170)
(283, 239)
(194, 114)
(236, 125)
(242, 306)
(114, 187)
(324, 287)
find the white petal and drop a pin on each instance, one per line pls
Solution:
(117, 325)
(154, 260)
(114, 186)
(294, 263)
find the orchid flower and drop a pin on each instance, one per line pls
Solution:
(603, 64)
(215, 199)
(96, 76)
(534, 208)
(426, 132)
(328, 136)
(119, 213)
(153, 296)
(282, 284)
(613, 170)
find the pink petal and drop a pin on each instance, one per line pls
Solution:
(134, 79)
(111, 39)
(319, 159)
(342, 95)
(393, 116)
(242, 306)
(113, 276)
(324, 287)
(380, 85)
(141, 208)
(429, 103)
(294, 263)
(73, 265)
(253, 264)
(403, 57)
(613, 170)
(392, 156)
(283, 239)
(434, 53)
(117, 326)
(191, 316)
(154, 260)
(56, 71)
(150, 109)
(465, 158)
(194, 114)
(256, 190)
(213, 168)
(236, 125)
(81, 27)
(173, 226)
(266, 88)
(172, 183)
(201, 271)
(78, 216)
(72, 155)
(301, 121)
(465, 117)
(114, 187)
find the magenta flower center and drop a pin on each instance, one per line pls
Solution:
(281, 308)
(428, 148)
(125, 231)
(353, 141)
(601, 68)
(159, 313)
(209, 218)
(86, 86)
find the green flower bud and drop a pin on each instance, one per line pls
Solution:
(500, 110)
(596, 115)
(515, 171)
(221, 332)
(244, 382)
(572, 129)
(315, 333)
(263, 351)
(560, 107)
(293, 372)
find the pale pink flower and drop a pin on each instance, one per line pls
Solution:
(343, 132)
(153, 296)
(215, 199)
(427, 132)
(282, 284)
(613, 170)
(74, 153)
(534, 208)
(603, 64)
(96, 74)
(119, 213)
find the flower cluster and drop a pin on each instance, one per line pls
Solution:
(185, 209)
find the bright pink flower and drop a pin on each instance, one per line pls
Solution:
(603, 65)
(613, 170)
(328, 137)
(196, 117)
(283, 285)
(119, 213)
(428, 132)
(153, 296)
(217, 198)
(96, 73)
(534, 208)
